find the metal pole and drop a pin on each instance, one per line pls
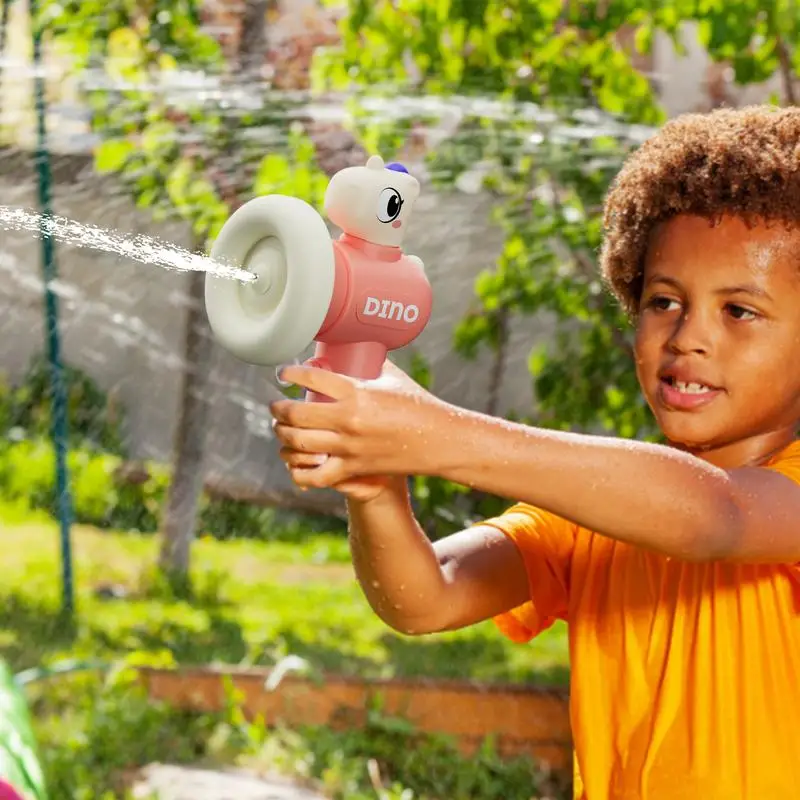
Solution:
(59, 431)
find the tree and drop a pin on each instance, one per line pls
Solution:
(569, 104)
(187, 158)
(181, 511)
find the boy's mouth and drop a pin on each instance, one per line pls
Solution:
(683, 392)
(687, 387)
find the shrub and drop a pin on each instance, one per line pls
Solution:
(95, 420)
(103, 497)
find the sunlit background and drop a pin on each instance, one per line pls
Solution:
(176, 620)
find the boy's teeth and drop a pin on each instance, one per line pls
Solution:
(691, 388)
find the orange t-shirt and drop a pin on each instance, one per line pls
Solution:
(685, 677)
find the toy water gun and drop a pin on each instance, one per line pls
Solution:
(357, 297)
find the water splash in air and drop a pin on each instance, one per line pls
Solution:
(145, 249)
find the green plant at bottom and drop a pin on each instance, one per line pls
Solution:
(95, 733)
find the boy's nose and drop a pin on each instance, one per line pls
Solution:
(690, 335)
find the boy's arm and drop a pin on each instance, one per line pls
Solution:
(418, 587)
(644, 494)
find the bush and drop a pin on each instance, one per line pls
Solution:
(104, 498)
(95, 734)
(94, 420)
(101, 495)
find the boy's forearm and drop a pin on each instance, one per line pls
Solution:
(395, 561)
(647, 495)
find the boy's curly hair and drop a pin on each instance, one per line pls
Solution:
(743, 162)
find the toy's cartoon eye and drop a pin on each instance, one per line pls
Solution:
(389, 205)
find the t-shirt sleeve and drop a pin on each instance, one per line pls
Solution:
(546, 543)
(788, 463)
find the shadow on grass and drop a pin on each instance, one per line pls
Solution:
(221, 640)
(475, 658)
(324, 656)
(31, 630)
(478, 658)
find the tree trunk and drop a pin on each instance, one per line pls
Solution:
(499, 364)
(253, 38)
(5, 14)
(180, 513)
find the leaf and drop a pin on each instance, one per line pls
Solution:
(111, 155)
(643, 39)
(272, 175)
(124, 43)
(157, 136)
(178, 181)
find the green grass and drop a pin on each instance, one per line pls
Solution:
(254, 602)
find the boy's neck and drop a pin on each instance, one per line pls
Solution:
(751, 452)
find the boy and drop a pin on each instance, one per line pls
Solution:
(677, 566)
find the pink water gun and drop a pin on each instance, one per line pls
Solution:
(357, 297)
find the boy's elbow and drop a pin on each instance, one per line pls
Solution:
(717, 535)
(410, 627)
(406, 625)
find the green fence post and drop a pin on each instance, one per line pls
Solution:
(59, 430)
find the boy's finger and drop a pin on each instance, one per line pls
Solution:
(308, 440)
(322, 381)
(300, 460)
(300, 414)
(331, 473)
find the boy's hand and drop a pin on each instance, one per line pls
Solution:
(390, 426)
(361, 489)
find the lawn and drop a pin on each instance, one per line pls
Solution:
(255, 602)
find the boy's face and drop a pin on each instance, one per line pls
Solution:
(717, 336)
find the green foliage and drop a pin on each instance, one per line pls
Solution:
(96, 733)
(19, 757)
(94, 420)
(754, 36)
(411, 765)
(252, 603)
(103, 497)
(135, 51)
(441, 506)
(569, 105)
(255, 603)
(182, 155)
(27, 473)
(566, 93)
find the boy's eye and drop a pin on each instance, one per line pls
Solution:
(661, 303)
(740, 312)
